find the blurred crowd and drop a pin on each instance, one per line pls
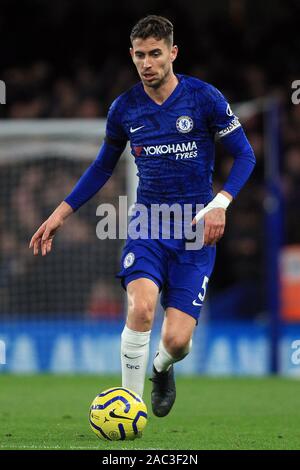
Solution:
(238, 49)
(35, 91)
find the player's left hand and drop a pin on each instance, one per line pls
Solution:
(214, 226)
(214, 217)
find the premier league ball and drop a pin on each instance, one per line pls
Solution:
(118, 414)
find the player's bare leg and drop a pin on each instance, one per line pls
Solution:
(142, 297)
(175, 344)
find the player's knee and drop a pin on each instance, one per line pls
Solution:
(177, 346)
(140, 314)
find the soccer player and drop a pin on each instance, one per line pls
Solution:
(171, 121)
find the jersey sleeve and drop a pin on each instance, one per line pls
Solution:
(222, 120)
(114, 128)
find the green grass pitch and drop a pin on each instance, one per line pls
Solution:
(51, 412)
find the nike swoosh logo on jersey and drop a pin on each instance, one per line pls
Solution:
(135, 357)
(136, 129)
(113, 415)
(196, 304)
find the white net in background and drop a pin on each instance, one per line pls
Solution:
(39, 164)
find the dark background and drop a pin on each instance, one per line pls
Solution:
(246, 48)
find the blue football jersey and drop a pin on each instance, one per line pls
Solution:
(173, 143)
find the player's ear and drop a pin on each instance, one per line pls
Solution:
(131, 52)
(174, 52)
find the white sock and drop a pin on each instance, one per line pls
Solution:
(163, 360)
(134, 359)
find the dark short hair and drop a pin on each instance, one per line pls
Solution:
(154, 26)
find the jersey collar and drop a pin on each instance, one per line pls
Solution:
(170, 98)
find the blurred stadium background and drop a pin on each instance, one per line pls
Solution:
(63, 63)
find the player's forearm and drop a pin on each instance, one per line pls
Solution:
(239, 147)
(244, 161)
(239, 174)
(95, 176)
(87, 186)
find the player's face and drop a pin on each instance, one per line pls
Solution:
(153, 59)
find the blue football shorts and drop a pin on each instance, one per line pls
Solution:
(181, 275)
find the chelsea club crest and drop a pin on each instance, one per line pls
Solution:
(129, 260)
(184, 124)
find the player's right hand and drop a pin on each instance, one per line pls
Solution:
(43, 237)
